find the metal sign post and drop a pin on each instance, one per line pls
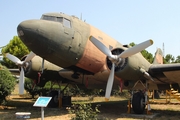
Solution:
(42, 102)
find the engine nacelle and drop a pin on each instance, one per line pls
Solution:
(33, 69)
(129, 68)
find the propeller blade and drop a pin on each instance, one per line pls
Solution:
(30, 56)
(13, 58)
(21, 82)
(101, 46)
(19, 62)
(110, 83)
(136, 49)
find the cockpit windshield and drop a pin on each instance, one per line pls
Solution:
(62, 20)
(50, 18)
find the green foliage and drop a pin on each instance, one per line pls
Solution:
(30, 88)
(169, 58)
(7, 83)
(50, 85)
(177, 59)
(34, 90)
(84, 111)
(148, 56)
(132, 44)
(15, 47)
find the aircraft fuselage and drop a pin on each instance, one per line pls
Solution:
(64, 41)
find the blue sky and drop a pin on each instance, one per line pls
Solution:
(125, 20)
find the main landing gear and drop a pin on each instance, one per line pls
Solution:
(59, 99)
(139, 100)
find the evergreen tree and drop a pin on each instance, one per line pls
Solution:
(148, 56)
(177, 59)
(169, 58)
(15, 47)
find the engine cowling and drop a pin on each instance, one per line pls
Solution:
(28, 71)
(129, 68)
(120, 66)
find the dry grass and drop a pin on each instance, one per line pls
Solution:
(115, 109)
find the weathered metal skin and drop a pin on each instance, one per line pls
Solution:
(33, 70)
(135, 62)
(35, 65)
(71, 48)
(67, 45)
(45, 43)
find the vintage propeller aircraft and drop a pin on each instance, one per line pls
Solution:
(70, 50)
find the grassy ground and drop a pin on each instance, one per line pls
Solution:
(115, 109)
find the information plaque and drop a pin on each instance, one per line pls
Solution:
(42, 101)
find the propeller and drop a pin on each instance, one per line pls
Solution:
(115, 59)
(21, 64)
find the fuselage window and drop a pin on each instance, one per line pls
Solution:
(66, 23)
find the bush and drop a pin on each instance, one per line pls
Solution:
(7, 84)
(30, 88)
(84, 111)
(36, 90)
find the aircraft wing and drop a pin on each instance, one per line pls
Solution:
(166, 73)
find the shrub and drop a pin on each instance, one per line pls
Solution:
(7, 84)
(84, 111)
(36, 90)
(30, 88)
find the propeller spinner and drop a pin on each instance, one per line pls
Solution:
(117, 58)
(20, 63)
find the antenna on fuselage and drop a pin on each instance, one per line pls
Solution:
(163, 50)
(81, 17)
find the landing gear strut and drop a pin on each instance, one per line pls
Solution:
(58, 98)
(139, 100)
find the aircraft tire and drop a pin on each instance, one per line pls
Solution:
(54, 101)
(138, 103)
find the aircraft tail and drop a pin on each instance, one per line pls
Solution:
(158, 58)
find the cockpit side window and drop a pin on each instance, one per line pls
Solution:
(60, 19)
(66, 23)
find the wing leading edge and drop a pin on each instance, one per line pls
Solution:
(165, 73)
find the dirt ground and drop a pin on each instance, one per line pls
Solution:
(115, 109)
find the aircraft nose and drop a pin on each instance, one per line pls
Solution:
(27, 30)
(38, 35)
(28, 24)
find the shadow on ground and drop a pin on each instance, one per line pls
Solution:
(113, 110)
